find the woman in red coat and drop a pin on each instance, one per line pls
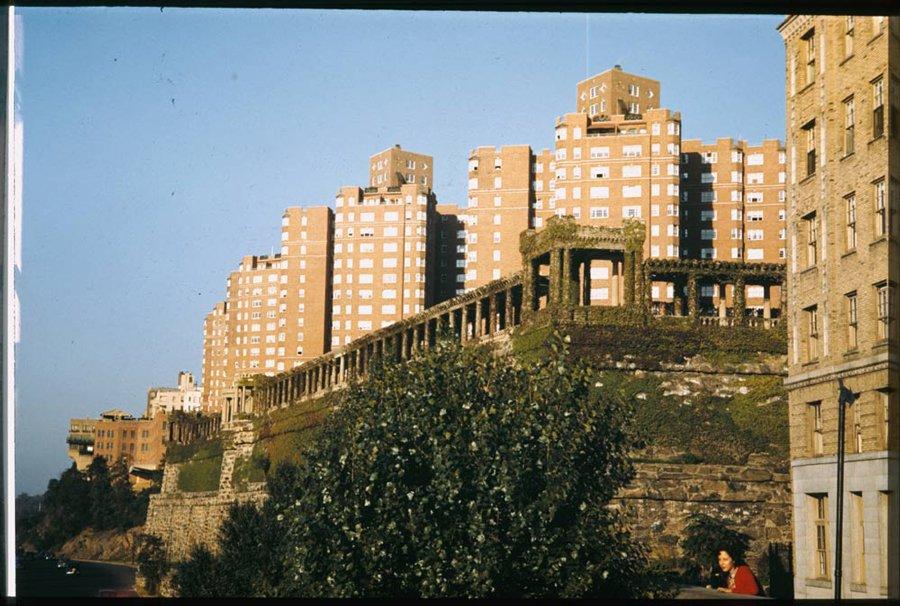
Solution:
(739, 576)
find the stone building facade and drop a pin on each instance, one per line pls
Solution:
(842, 94)
(141, 443)
(185, 397)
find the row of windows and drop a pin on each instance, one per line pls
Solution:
(340, 201)
(808, 48)
(810, 128)
(881, 312)
(819, 521)
(881, 221)
(387, 232)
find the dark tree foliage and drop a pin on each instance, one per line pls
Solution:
(151, 560)
(455, 474)
(254, 547)
(199, 575)
(460, 474)
(64, 511)
(703, 537)
(100, 498)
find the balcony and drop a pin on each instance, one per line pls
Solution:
(80, 440)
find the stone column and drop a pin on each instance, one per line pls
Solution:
(586, 282)
(678, 299)
(529, 288)
(767, 303)
(451, 323)
(426, 342)
(508, 309)
(476, 332)
(492, 314)
(782, 312)
(639, 284)
(613, 282)
(693, 296)
(629, 279)
(565, 284)
(722, 302)
(554, 294)
(739, 300)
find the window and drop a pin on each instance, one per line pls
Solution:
(850, 218)
(852, 320)
(814, 410)
(848, 36)
(810, 46)
(882, 298)
(599, 212)
(877, 108)
(882, 225)
(819, 507)
(849, 121)
(884, 404)
(858, 538)
(812, 328)
(812, 232)
(810, 129)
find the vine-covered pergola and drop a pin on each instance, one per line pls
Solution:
(688, 275)
(564, 251)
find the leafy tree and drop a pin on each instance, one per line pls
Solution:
(99, 498)
(151, 560)
(458, 473)
(254, 547)
(64, 511)
(102, 505)
(199, 575)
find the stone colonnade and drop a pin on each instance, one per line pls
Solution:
(478, 314)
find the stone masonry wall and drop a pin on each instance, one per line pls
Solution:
(185, 519)
(754, 497)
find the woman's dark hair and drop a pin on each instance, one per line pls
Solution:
(735, 551)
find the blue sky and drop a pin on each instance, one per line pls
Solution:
(161, 146)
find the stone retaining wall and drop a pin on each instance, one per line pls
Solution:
(752, 498)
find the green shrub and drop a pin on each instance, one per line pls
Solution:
(151, 560)
(250, 469)
(705, 428)
(201, 449)
(763, 413)
(458, 474)
(200, 474)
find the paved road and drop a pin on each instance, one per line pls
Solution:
(43, 578)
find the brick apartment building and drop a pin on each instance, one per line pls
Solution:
(843, 92)
(395, 251)
(620, 156)
(733, 208)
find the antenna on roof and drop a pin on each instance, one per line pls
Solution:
(587, 45)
